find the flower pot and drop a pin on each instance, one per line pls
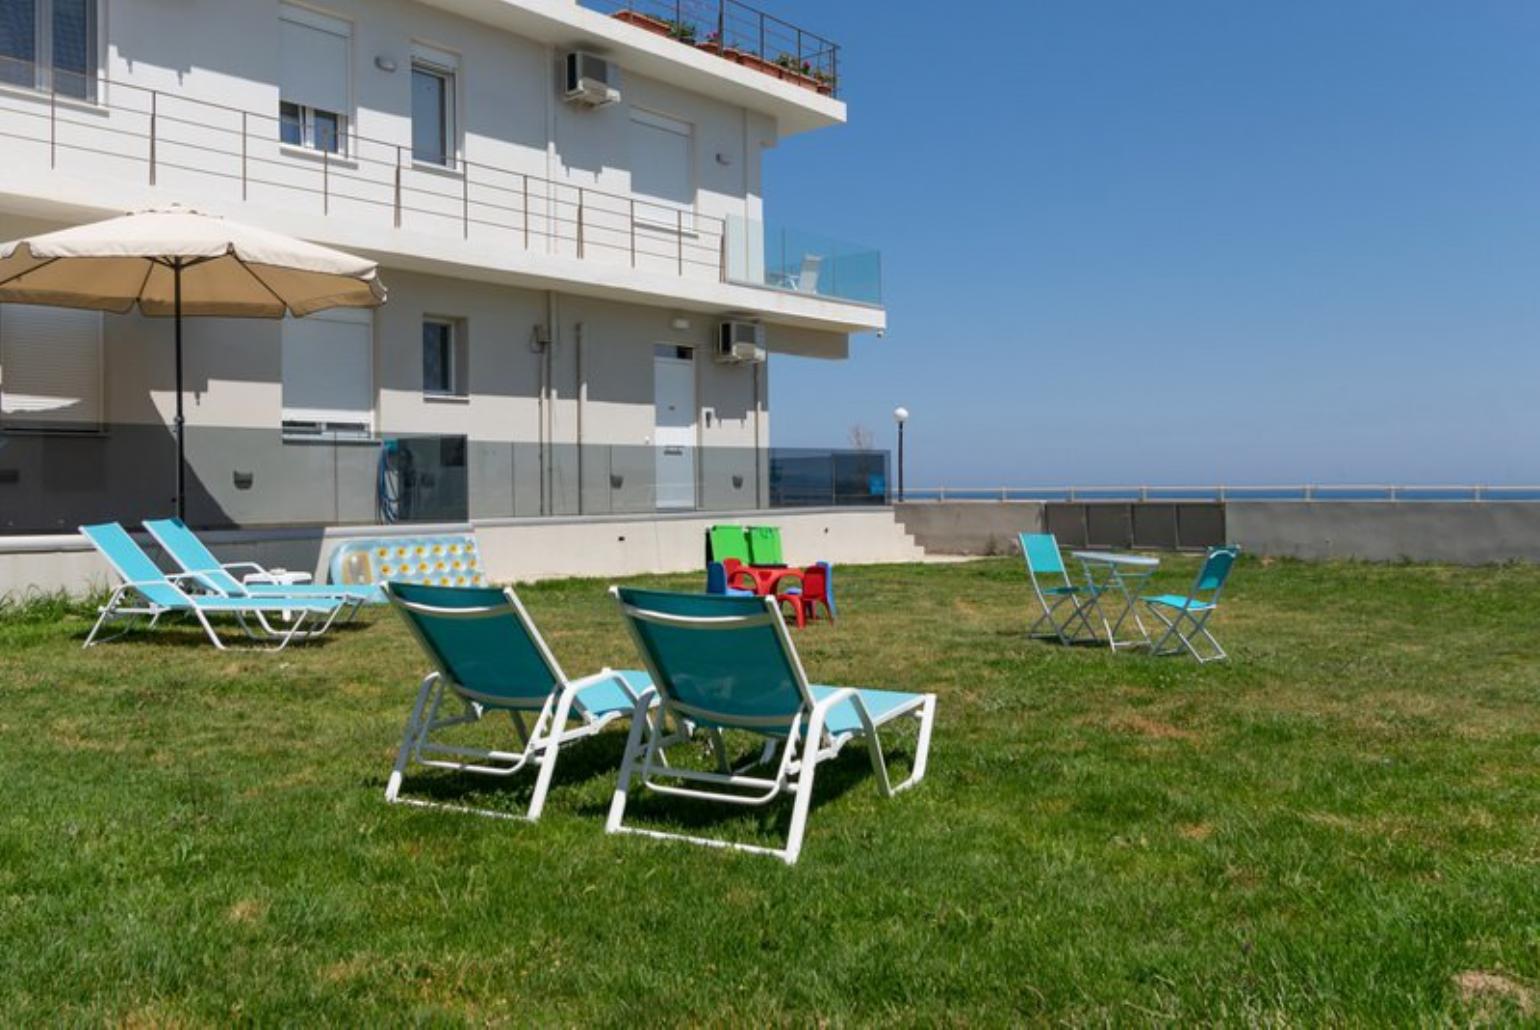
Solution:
(643, 21)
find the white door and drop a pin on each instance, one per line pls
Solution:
(674, 413)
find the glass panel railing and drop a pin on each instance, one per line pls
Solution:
(53, 482)
(782, 258)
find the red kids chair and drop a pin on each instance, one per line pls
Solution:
(817, 588)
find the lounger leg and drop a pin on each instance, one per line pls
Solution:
(204, 622)
(927, 717)
(550, 750)
(409, 738)
(804, 790)
(101, 620)
(641, 721)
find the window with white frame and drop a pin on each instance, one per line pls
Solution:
(433, 106)
(443, 357)
(662, 153)
(328, 373)
(50, 45)
(50, 368)
(313, 79)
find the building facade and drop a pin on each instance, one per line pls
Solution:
(566, 202)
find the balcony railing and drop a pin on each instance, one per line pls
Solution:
(779, 258)
(739, 33)
(246, 477)
(194, 149)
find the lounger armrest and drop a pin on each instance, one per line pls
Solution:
(230, 566)
(825, 705)
(168, 581)
(619, 680)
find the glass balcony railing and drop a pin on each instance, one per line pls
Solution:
(263, 478)
(782, 258)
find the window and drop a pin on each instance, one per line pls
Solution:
(301, 126)
(662, 153)
(443, 357)
(328, 373)
(49, 45)
(313, 79)
(50, 368)
(433, 106)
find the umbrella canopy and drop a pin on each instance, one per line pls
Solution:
(228, 269)
(175, 261)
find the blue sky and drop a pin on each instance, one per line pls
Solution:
(1183, 242)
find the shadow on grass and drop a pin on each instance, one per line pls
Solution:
(191, 635)
(600, 757)
(577, 763)
(833, 780)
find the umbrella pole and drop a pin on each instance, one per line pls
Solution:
(181, 477)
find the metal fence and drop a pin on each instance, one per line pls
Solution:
(1294, 492)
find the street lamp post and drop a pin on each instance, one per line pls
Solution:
(900, 415)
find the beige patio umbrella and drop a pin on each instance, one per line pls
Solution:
(174, 261)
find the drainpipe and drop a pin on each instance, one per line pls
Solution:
(759, 499)
(553, 336)
(582, 398)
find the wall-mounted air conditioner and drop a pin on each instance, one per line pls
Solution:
(741, 342)
(589, 80)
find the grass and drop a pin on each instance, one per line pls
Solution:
(1340, 826)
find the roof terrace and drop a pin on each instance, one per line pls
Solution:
(739, 33)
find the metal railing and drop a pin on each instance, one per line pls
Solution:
(1472, 493)
(740, 33)
(171, 139)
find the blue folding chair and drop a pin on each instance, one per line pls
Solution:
(728, 664)
(1054, 589)
(487, 655)
(1186, 616)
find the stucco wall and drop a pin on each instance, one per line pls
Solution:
(1427, 531)
(1461, 533)
(521, 550)
(970, 527)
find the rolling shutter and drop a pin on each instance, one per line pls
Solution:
(662, 160)
(313, 68)
(328, 369)
(50, 367)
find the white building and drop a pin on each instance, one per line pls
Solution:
(559, 266)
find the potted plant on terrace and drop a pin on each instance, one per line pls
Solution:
(643, 20)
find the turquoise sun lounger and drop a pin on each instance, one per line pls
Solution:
(728, 664)
(488, 656)
(147, 592)
(183, 547)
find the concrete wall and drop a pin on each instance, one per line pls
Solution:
(1460, 533)
(970, 527)
(1428, 531)
(521, 550)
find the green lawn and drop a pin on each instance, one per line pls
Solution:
(1340, 826)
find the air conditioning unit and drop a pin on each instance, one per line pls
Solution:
(741, 342)
(589, 80)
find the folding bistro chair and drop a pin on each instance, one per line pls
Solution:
(147, 592)
(194, 558)
(1186, 617)
(728, 663)
(488, 656)
(1044, 564)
